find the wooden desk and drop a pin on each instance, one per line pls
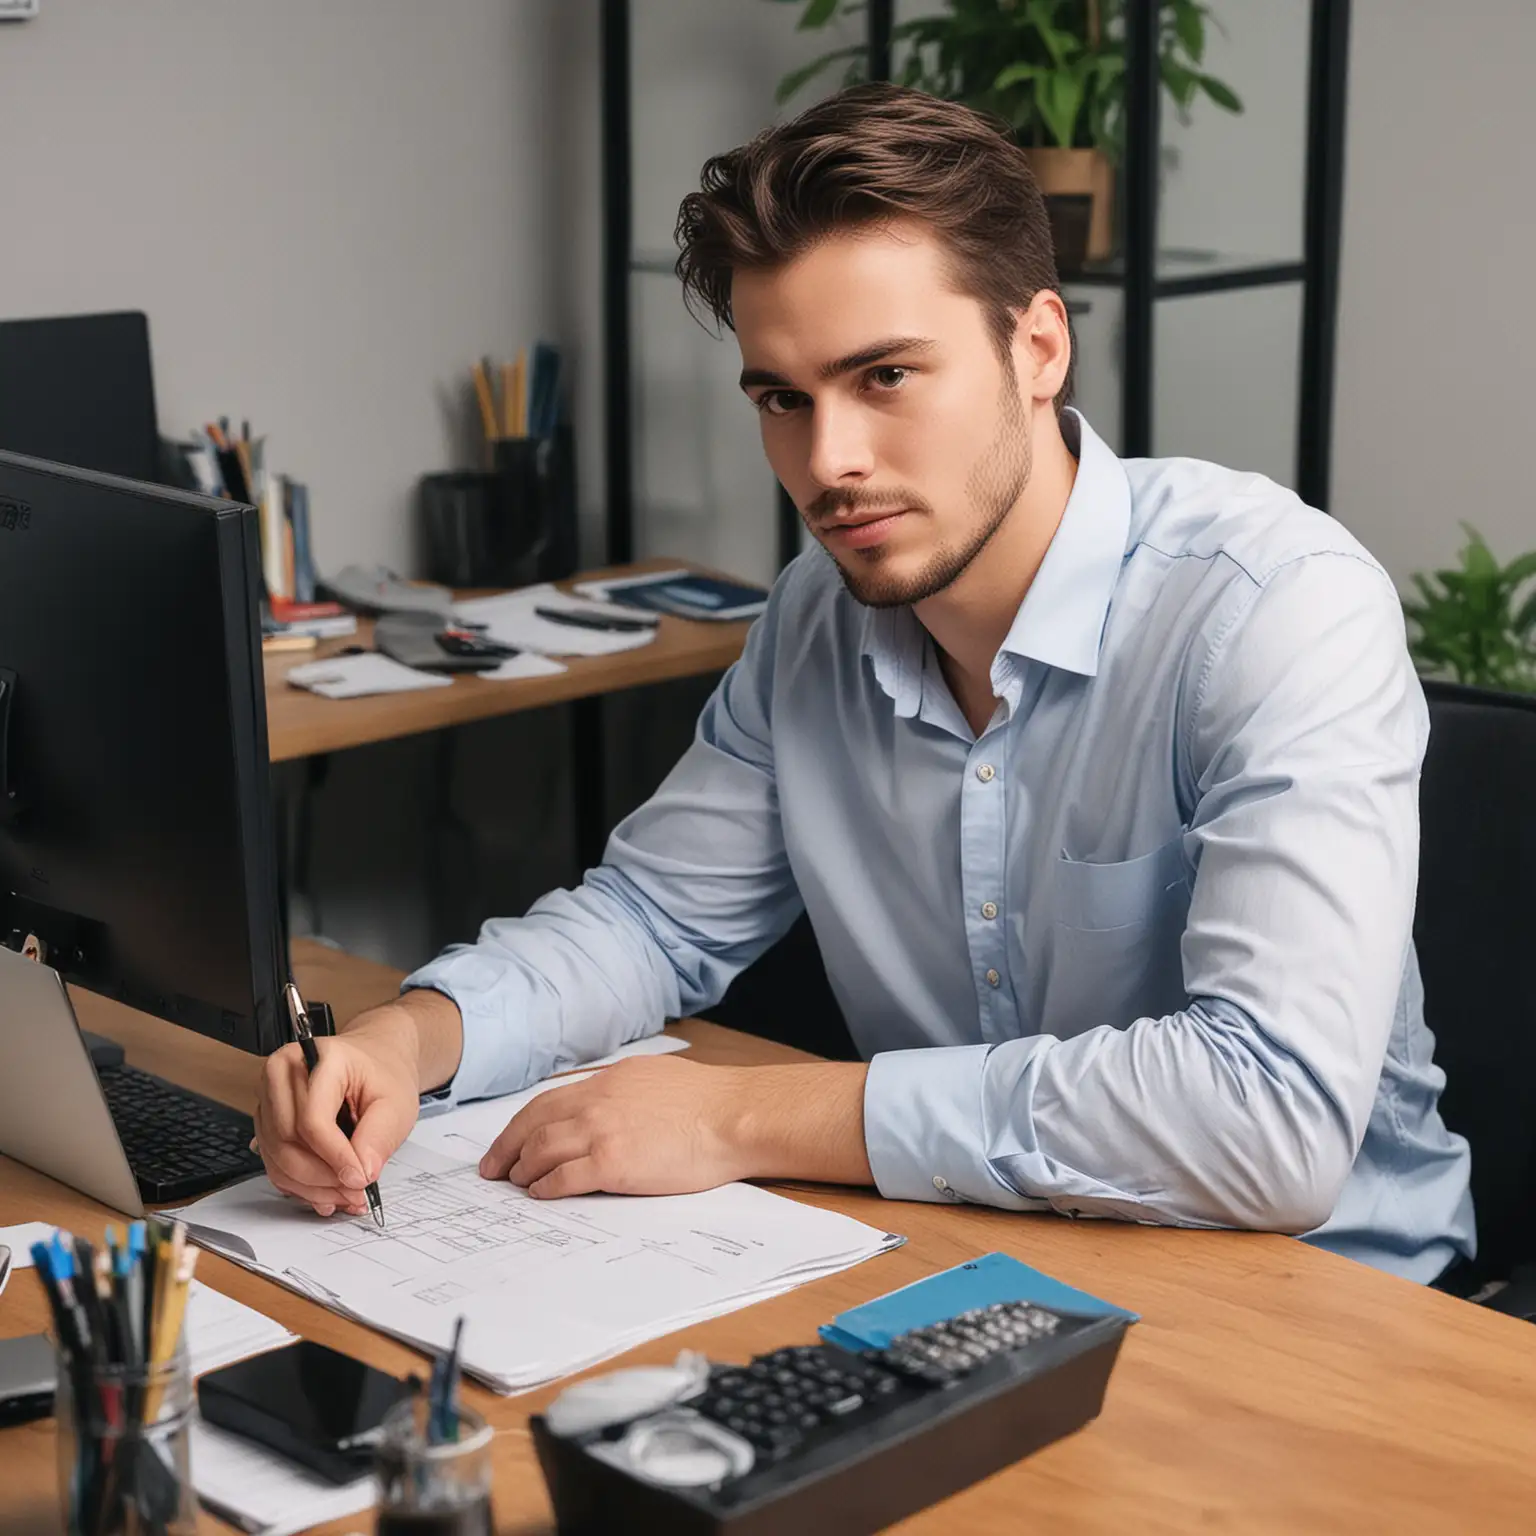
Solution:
(303, 724)
(1268, 1388)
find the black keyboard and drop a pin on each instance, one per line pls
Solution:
(179, 1144)
(820, 1440)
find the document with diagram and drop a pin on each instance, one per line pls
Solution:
(546, 1287)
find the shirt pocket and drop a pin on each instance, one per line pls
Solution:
(1114, 941)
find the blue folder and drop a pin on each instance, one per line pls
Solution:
(976, 1283)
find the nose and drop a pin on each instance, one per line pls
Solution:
(841, 452)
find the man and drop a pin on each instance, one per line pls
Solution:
(1098, 781)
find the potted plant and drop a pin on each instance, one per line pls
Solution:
(1053, 70)
(1477, 624)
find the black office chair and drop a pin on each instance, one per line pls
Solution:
(1476, 934)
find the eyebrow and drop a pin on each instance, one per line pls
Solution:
(874, 353)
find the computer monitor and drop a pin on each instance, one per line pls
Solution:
(79, 389)
(136, 829)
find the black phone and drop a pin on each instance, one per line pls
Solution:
(311, 1404)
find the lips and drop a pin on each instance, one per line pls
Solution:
(862, 533)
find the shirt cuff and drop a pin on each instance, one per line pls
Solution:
(924, 1130)
(494, 1059)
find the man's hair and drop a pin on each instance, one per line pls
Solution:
(866, 156)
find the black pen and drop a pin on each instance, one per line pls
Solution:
(595, 620)
(306, 1038)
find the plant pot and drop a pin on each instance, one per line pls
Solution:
(1078, 172)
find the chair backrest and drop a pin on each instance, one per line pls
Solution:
(1475, 930)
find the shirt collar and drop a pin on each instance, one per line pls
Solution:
(1061, 620)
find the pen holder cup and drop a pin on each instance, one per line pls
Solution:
(124, 1447)
(433, 1490)
(508, 526)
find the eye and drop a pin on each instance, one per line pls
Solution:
(779, 402)
(888, 378)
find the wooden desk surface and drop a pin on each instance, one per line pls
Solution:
(1268, 1388)
(301, 724)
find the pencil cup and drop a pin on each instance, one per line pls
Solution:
(433, 1490)
(124, 1447)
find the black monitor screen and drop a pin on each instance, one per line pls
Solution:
(135, 822)
(78, 389)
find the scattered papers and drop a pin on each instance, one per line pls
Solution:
(509, 617)
(350, 677)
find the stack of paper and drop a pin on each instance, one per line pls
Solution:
(221, 1330)
(260, 1491)
(546, 1287)
(510, 618)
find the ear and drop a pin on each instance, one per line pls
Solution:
(1042, 346)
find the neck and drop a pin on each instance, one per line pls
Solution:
(971, 617)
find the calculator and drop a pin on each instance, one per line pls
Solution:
(820, 1441)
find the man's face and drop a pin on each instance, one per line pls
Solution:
(886, 411)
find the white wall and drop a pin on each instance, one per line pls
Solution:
(1437, 327)
(326, 209)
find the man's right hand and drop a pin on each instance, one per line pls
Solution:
(375, 1065)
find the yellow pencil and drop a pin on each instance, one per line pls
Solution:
(508, 400)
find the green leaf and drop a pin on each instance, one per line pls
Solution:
(1477, 558)
(1521, 569)
(1013, 74)
(1224, 96)
(1525, 619)
(817, 14)
(797, 78)
(1059, 96)
(1190, 24)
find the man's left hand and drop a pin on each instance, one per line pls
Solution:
(659, 1125)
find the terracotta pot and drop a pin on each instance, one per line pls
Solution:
(1080, 171)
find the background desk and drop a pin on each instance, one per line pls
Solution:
(303, 724)
(1269, 1387)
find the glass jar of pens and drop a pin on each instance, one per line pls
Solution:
(123, 1399)
(513, 522)
(433, 1461)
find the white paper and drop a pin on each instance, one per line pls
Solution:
(509, 617)
(526, 665)
(261, 1491)
(221, 1330)
(546, 1287)
(20, 1239)
(350, 677)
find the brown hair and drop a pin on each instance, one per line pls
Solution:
(868, 154)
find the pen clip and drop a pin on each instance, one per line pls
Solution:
(298, 1015)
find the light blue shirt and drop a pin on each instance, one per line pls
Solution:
(1140, 950)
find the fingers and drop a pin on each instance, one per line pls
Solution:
(302, 1175)
(385, 1122)
(547, 1147)
(327, 1088)
(580, 1176)
(555, 1104)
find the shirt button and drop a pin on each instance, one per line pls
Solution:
(993, 978)
(986, 773)
(940, 1183)
(989, 910)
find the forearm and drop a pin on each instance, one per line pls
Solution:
(422, 1026)
(802, 1122)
